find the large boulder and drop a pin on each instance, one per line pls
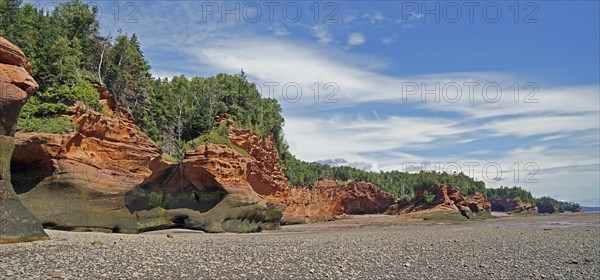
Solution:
(16, 85)
(478, 203)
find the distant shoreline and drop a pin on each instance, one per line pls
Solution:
(590, 209)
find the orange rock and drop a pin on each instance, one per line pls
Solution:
(331, 198)
(478, 203)
(111, 154)
(328, 200)
(264, 173)
(16, 85)
(11, 54)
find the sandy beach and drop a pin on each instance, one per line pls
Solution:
(562, 246)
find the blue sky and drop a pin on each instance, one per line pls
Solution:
(370, 55)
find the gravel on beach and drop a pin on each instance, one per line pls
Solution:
(567, 247)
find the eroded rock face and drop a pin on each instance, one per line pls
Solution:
(330, 199)
(77, 180)
(450, 200)
(511, 205)
(253, 175)
(213, 181)
(16, 85)
(477, 203)
(108, 176)
(264, 173)
(110, 153)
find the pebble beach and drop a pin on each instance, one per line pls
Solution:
(563, 246)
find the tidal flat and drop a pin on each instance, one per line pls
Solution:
(558, 246)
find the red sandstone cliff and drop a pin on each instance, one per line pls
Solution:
(108, 175)
(331, 198)
(109, 153)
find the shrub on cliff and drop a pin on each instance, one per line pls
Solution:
(428, 197)
(60, 124)
(44, 111)
(516, 193)
(217, 136)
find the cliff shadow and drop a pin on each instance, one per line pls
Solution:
(170, 188)
(26, 176)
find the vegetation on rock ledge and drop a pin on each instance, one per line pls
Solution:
(68, 54)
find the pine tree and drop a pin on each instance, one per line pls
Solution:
(63, 62)
(128, 75)
(8, 16)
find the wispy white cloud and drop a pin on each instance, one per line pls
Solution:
(278, 30)
(389, 39)
(349, 18)
(375, 17)
(553, 137)
(287, 61)
(567, 109)
(317, 138)
(467, 140)
(356, 39)
(556, 101)
(539, 125)
(543, 169)
(322, 34)
(411, 17)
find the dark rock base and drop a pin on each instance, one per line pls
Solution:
(17, 224)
